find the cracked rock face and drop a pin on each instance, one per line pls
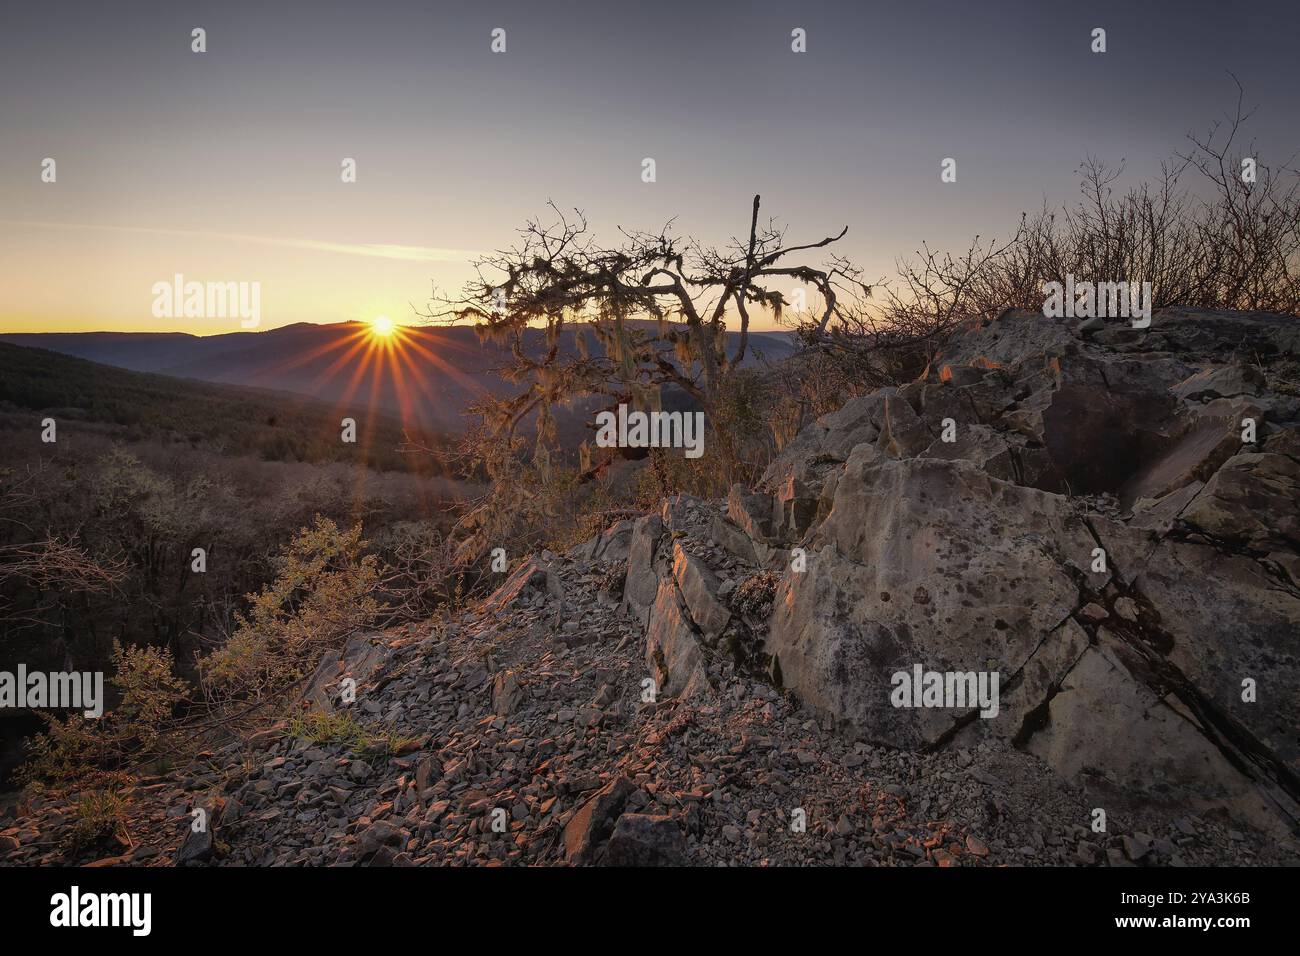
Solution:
(673, 587)
(1111, 525)
(924, 561)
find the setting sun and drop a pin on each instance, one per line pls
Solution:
(382, 326)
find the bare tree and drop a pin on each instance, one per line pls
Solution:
(659, 307)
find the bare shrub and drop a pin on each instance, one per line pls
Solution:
(755, 596)
(1203, 235)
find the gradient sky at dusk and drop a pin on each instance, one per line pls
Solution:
(225, 166)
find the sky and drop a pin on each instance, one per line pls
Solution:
(224, 166)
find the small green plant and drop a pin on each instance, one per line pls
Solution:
(341, 727)
(100, 817)
(334, 727)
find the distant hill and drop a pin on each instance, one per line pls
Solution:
(137, 351)
(429, 382)
(136, 406)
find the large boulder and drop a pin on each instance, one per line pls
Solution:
(1163, 753)
(1107, 518)
(1253, 501)
(931, 562)
(609, 547)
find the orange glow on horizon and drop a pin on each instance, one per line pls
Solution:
(384, 355)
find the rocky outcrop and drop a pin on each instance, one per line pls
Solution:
(925, 561)
(641, 583)
(361, 657)
(1106, 519)
(609, 547)
(531, 580)
(688, 622)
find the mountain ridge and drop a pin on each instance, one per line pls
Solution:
(429, 375)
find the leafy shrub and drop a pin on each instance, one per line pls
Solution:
(76, 749)
(324, 590)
